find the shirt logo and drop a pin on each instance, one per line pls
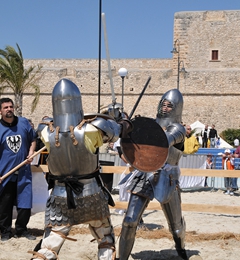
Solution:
(14, 142)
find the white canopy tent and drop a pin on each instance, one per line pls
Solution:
(198, 127)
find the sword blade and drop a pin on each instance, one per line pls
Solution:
(108, 57)
(139, 98)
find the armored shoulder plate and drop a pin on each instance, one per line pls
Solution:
(176, 136)
(46, 121)
(109, 127)
(175, 133)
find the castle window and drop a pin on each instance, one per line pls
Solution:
(214, 54)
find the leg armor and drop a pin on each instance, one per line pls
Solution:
(103, 232)
(173, 213)
(136, 207)
(51, 243)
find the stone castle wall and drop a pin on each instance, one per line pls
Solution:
(211, 89)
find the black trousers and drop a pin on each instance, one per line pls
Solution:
(7, 202)
(204, 142)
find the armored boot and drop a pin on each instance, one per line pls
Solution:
(126, 242)
(106, 248)
(176, 223)
(179, 239)
(103, 232)
(106, 253)
(182, 253)
(49, 247)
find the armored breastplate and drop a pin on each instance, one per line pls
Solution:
(174, 155)
(70, 159)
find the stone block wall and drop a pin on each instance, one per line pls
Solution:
(211, 89)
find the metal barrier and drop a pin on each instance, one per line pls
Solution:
(195, 161)
(190, 161)
(190, 166)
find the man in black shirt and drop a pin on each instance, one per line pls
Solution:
(213, 136)
(205, 137)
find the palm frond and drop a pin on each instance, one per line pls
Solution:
(36, 97)
(13, 75)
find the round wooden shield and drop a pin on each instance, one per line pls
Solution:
(146, 147)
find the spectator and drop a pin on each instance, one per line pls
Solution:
(17, 144)
(191, 144)
(237, 146)
(208, 164)
(103, 148)
(110, 149)
(236, 155)
(213, 136)
(228, 164)
(218, 142)
(205, 136)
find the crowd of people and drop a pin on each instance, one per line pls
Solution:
(207, 137)
(75, 180)
(228, 163)
(210, 139)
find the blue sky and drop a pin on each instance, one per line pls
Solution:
(70, 28)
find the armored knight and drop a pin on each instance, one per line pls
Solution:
(163, 184)
(78, 195)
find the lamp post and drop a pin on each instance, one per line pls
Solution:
(122, 73)
(176, 50)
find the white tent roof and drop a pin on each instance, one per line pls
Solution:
(198, 127)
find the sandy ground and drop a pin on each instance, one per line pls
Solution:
(209, 236)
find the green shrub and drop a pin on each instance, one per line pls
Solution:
(230, 135)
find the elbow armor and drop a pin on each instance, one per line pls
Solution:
(110, 128)
(175, 134)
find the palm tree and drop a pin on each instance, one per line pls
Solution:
(13, 75)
